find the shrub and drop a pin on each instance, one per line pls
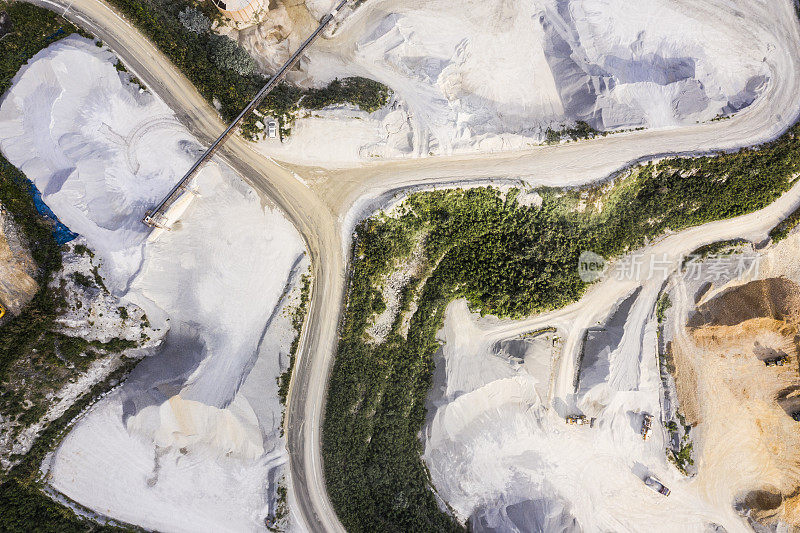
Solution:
(228, 54)
(194, 20)
(782, 230)
(83, 280)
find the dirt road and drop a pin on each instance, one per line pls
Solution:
(318, 210)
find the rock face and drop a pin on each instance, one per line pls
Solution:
(17, 268)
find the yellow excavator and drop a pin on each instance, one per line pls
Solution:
(2, 311)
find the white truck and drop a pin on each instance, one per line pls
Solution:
(656, 485)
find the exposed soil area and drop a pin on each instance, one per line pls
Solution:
(749, 443)
(777, 298)
(392, 295)
(17, 268)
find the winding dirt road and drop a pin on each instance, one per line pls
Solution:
(319, 210)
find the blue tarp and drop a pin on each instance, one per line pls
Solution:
(60, 231)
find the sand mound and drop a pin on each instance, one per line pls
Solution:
(186, 424)
(762, 504)
(191, 441)
(494, 75)
(542, 514)
(777, 298)
(100, 152)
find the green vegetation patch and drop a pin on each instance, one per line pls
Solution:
(506, 259)
(222, 70)
(682, 458)
(715, 249)
(581, 130)
(298, 318)
(662, 305)
(367, 94)
(782, 230)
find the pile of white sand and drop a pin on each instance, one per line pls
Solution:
(191, 442)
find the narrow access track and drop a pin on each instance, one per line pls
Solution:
(318, 212)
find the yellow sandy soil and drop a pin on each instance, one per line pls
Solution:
(748, 440)
(17, 268)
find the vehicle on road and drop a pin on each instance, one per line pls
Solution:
(647, 426)
(656, 485)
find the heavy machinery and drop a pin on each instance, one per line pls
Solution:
(579, 420)
(647, 426)
(656, 485)
(777, 361)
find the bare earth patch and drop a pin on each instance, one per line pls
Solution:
(17, 268)
(749, 443)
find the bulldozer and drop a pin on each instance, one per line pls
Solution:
(647, 426)
(777, 361)
(579, 420)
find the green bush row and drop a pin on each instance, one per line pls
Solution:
(782, 230)
(298, 318)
